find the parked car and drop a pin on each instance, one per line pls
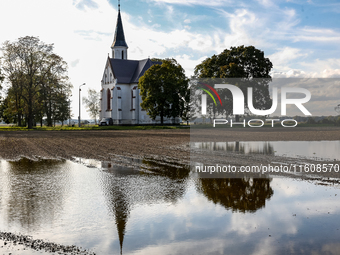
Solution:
(106, 122)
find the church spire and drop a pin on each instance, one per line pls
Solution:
(119, 46)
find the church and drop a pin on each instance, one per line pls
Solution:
(120, 99)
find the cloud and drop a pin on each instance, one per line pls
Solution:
(81, 5)
(294, 73)
(284, 56)
(316, 35)
(266, 3)
(327, 68)
(195, 2)
(319, 65)
(75, 63)
(189, 63)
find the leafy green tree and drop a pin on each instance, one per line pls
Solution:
(239, 62)
(92, 103)
(6, 113)
(36, 77)
(163, 89)
(337, 121)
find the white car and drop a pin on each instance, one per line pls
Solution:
(106, 122)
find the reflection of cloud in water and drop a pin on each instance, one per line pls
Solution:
(130, 187)
(170, 212)
(197, 227)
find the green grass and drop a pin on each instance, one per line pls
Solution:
(95, 127)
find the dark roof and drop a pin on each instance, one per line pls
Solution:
(119, 39)
(129, 71)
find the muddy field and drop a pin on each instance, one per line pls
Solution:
(170, 143)
(170, 146)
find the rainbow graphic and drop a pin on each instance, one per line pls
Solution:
(209, 93)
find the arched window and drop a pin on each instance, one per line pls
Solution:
(108, 94)
(122, 54)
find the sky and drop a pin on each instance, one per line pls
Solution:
(301, 38)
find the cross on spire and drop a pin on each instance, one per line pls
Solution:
(119, 5)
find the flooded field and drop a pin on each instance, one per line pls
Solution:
(317, 150)
(166, 209)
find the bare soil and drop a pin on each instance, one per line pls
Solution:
(171, 143)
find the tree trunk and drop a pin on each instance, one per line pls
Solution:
(30, 113)
(19, 120)
(49, 114)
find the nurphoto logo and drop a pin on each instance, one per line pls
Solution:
(297, 97)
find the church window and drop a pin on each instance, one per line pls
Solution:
(119, 92)
(108, 99)
(122, 54)
(119, 100)
(133, 98)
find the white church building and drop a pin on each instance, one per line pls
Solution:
(120, 99)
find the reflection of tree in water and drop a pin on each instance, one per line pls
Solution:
(124, 188)
(265, 148)
(32, 194)
(243, 195)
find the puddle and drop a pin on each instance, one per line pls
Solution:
(162, 208)
(315, 150)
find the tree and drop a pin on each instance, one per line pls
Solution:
(92, 103)
(242, 62)
(163, 89)
(6, 113)
(1, 79)
(238, 194)
(187, 110)
(36, 77)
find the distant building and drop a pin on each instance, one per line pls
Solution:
(120, 99)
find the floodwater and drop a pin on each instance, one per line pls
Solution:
(317, 150)
(166, 209)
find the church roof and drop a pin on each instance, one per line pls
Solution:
(119, 39)
(129, 71)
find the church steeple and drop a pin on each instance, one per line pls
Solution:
(119, 46)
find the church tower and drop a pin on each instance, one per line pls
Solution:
(119, 46)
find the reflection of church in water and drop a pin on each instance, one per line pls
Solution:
(167, 183)
(131, 187)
